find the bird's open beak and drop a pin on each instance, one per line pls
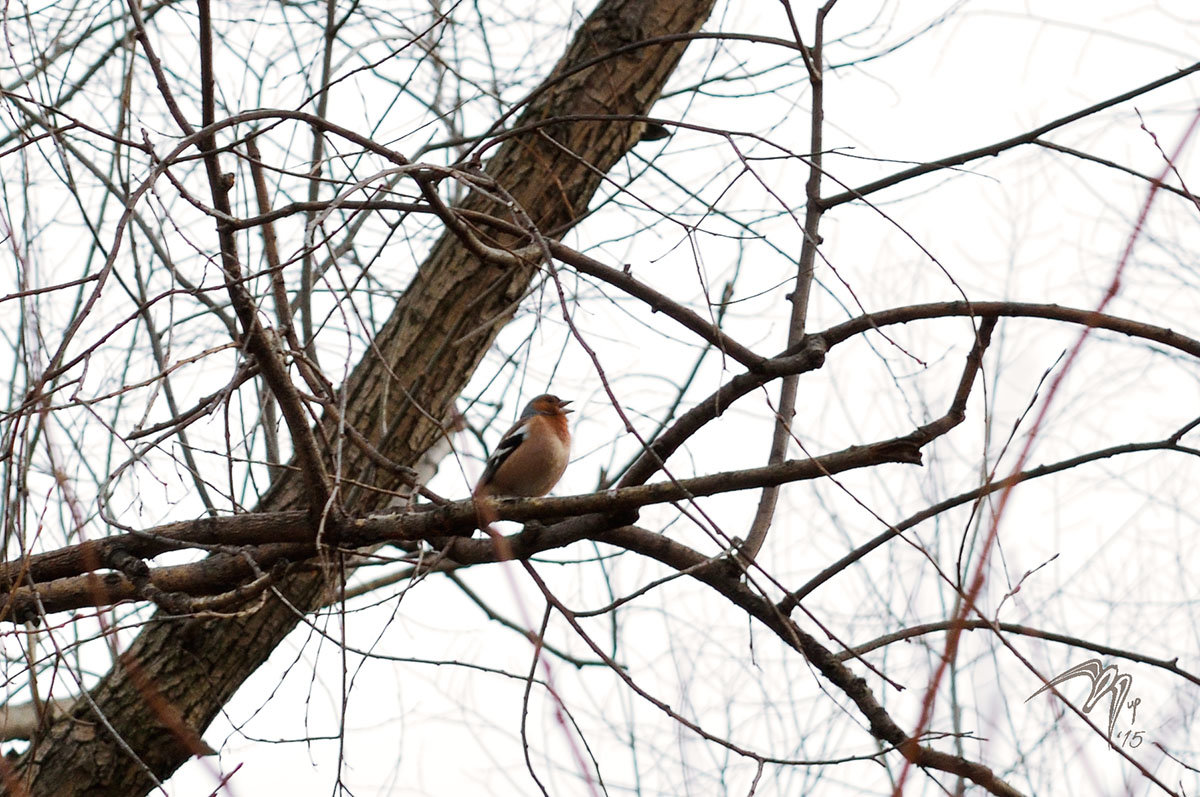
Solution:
(562, 407)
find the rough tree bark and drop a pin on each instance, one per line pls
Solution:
(145, 717)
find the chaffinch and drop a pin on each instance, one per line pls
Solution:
(531, 457)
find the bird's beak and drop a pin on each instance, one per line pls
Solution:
(562, 407)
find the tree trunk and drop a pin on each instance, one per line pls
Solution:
(145, 717)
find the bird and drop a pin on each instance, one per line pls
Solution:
(531, 456)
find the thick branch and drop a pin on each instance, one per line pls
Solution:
(810, 354)
(60, 582)
(1052, 312)
(788, 603)
(912, 632)
(785, 413)
(809, 357)
(728, 582)
(1029, 137)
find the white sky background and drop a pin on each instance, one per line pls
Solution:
(1030, 225)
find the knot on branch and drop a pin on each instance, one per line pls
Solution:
(138, 573)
